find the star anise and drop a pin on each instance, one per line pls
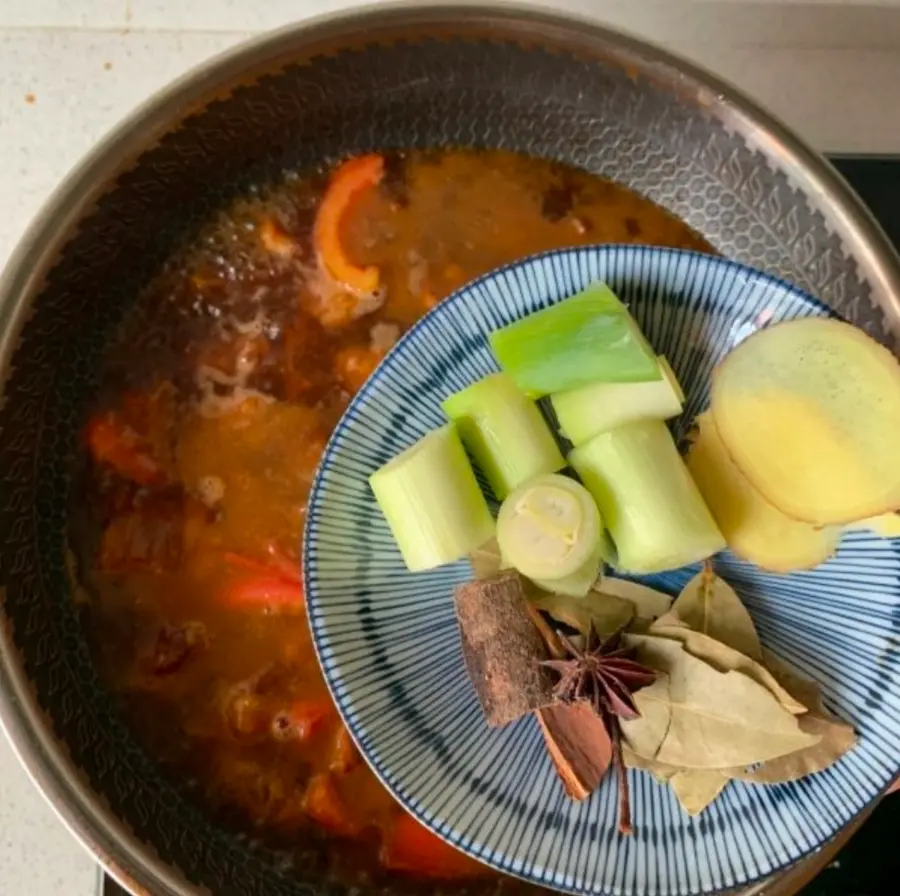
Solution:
(605, 674)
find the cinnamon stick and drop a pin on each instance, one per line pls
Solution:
(625, 826)
(502, 648)
(548, 636)
(578, 744)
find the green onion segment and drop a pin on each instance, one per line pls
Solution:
(576, 584)
(504, 432)
(650, 505)
(584, 339)
(432, 502)
(549, 529)
(598, 407)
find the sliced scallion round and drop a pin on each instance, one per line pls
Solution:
(549, 529)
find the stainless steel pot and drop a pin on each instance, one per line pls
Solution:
(397, 76)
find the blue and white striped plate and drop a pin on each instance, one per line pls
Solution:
(388, 641)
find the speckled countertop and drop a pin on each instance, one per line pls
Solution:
(70, 69)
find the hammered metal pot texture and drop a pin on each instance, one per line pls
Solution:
(396, 77)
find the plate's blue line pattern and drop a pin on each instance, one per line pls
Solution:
(389, 644)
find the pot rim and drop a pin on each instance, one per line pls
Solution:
(131, 861)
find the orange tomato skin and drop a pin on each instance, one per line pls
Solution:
(347, 182)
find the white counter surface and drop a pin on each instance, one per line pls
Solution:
(70, 69)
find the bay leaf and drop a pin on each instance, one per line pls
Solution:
(645, 735)
(726, 659)
(607, 613)
(802, 689)
(696, 788)
(709, 605)
(836, 738)
(648, 602)
(718, 719)
(661, 772)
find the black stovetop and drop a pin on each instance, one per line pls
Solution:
(871, 861)
(877, 180)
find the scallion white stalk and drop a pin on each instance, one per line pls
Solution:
(504, 432)
(649, 503)
(598, 407)
(432, 502)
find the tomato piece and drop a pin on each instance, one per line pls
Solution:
(239, 561)
(114, 443)
(347, 182)
(324, 805)
(264, 591)
(278, 565)
(287, 568)
(409, 846)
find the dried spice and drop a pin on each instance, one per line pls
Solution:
(722, 657)
(692, 698)
(605, 612)
(486, 561)
(604, 674)
(575, 736)
(502, 648)
(645, 735)
(696, 788)
(578, 744)
(805, 690)
(712, 720)
(837, 737)
(710, 606)
(712, 700)
(834, 738)
(662, 773)
(648, 603)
